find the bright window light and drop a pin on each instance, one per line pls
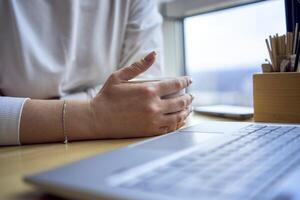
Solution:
(224, 48)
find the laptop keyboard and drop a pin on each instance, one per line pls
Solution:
(241, 168)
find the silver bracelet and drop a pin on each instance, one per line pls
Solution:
(64, 122)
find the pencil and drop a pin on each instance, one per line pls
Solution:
(288, 43)
(270, 54)
(297, 60)
(284, 44)
(297, 53)
(278, 40)
(274, 50)
(295, 39)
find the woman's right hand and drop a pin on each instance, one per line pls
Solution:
(123, 109)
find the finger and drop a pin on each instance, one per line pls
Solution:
(136, 68)
(180, 125)
(166, 129)
(177, 104)
(163, 130)
(166, 87)
(171, 120)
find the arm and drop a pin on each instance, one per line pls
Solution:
(42, 121)
(120, 110)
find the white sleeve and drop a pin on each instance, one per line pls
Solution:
(10, 116)
(143, 35)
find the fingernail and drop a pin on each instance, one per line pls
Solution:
(191, 80)
(150, 56)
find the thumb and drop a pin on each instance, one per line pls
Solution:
(136, 68)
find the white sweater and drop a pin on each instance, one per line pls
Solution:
(67, 49)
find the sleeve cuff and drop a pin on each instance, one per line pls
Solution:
(10, 118)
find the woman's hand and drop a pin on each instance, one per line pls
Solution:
(124, 109)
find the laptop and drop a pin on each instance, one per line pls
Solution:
(212, 160)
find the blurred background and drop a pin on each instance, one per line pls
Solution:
(220, 44)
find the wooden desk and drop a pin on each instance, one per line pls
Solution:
(15, 162)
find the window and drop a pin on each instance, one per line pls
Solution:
(224, 48)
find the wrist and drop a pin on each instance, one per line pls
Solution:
(79, 121)
(41, 121)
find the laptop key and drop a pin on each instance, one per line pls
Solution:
(272, 128)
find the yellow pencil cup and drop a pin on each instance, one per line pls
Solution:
(276, 97)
